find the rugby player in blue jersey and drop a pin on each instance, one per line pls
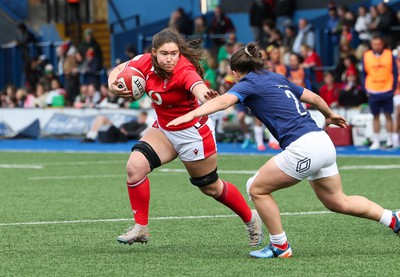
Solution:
(308, 152)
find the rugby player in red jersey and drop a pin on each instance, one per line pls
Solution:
(174, 83)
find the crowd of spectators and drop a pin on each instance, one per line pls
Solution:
(289, 48)
(74, 81)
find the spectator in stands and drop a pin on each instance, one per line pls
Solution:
(349, 66)
(305, 35)
(33, 72)
(296, 74)
(375, 18)
(90, 42)
(260, 10)
(329, 91)
(69, 66)
(92, 98)
(24, 98)
(379, 79)
(210, 76)
(350, 19)
(41, 96)
(331, 26)
(312, 62)
(130, 51)
(284, 10)
(275, 38)
(225, 51)
(226, 77)
(267, 26)
(345, 50)
(126, 131)
(57, 94)
(48, 77)
(274, 61)
(80, 98)
(181, 22)
(200, 26)
(219, 27)
(352, 93)
(7, 97)
(362, 22)
(90, 68)
(288, 40)
(346, 34)
(341, 11)
(110, 100)
(387, 19)
(24, 38)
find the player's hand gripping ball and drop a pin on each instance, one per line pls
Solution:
(133, 80)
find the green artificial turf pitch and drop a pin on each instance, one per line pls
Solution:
(60, 214)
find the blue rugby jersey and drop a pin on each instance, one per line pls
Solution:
(275, 102)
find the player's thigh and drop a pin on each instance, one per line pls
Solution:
(328, 189)
(201, 167)
(161, 144)
(270, 178)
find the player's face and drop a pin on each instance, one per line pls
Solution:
(167, 56)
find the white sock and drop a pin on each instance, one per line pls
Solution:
(259, 135)
(395, 138)
(389, 140)
(279, 239)
(247, 135)
(386, 218)
(91, 135)
(376, 138)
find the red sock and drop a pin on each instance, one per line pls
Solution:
(393, 223)
(139, 196)
(281, 246)
(233, 199)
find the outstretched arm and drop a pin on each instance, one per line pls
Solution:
(203, 93)
(317, 102)
(217, 104)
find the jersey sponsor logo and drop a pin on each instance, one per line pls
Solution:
(155, 96)
(134, 211)
(282, 86)
(196, 151)
(303, 165)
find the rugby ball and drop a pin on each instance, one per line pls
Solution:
(133, 80)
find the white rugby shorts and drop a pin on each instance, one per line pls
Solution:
(194, 143)
(311, 156)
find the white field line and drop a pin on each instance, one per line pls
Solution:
(240, 172)
(151, 218)
(22, 166)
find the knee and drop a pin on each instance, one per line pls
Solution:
(134, 171)
(255, 191)
(212, 190)
(253, 188)
(209, 184)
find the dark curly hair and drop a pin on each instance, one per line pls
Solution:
(191, 50)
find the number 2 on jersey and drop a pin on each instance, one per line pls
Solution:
(290, 94)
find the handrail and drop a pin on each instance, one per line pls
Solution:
(122, 21)
(9, 12)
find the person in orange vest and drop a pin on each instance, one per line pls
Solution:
(379, 79)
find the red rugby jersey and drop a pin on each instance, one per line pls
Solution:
(171, 97)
